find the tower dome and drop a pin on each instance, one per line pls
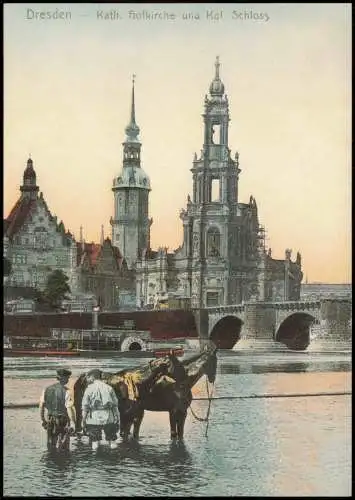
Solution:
(217, 87)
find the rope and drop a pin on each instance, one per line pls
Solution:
(258, 396)
(209, 404)
(210, 398)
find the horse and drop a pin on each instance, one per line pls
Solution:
(169, 389)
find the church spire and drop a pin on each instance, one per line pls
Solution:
(133, 110)
(217, 65)
(132, 129)
(217, 87)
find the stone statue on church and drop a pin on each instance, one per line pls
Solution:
(288, 253)
(298, 258)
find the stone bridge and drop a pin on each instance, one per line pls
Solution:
(298, 325)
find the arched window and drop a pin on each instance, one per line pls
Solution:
(213, 242)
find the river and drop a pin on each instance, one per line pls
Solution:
(292, 446)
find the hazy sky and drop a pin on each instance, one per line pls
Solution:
(287, 74)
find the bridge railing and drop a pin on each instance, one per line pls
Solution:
(303, 304)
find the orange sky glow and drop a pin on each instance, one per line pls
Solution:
(287, 74)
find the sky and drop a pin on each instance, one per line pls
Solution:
(287, 73)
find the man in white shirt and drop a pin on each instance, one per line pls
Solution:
(99, 410)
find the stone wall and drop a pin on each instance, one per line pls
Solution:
(161, 324)
(39, 325)
(336, 318)
(259, 322)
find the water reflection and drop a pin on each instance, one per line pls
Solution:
(58, 470)
(265, 366)
(285, 368)
(174, 452)
(161, 465)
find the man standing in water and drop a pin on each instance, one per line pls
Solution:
(99, 410)
(60, 411)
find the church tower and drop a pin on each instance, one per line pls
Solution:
(130, 224)
(219, 232)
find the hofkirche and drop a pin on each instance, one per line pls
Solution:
(222, 259)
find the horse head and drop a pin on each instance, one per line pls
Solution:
(204, 363)
(210, 365)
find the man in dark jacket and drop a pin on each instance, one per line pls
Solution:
(59, 404)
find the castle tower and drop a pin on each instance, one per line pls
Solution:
(29, 188)
(130, 224)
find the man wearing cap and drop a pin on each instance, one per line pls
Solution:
(60, 411)
(99, 410)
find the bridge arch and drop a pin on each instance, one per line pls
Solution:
(226, 331)
(294, 330)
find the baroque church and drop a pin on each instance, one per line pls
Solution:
(223, 259)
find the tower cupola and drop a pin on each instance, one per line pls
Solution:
(217, 87)
(29, 187)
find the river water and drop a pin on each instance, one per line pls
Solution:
(293, 446)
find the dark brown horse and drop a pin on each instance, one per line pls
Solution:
(163, 385)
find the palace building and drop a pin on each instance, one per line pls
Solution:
(34, 241)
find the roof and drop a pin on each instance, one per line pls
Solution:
(93, 251)
(18, 215)
(20, 212)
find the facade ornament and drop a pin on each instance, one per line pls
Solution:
(236, 158)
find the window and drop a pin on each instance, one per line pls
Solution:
(18, 277)
(40, 237)
(212, 299)
(213, 242)
(216, 134)
(215, 190)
